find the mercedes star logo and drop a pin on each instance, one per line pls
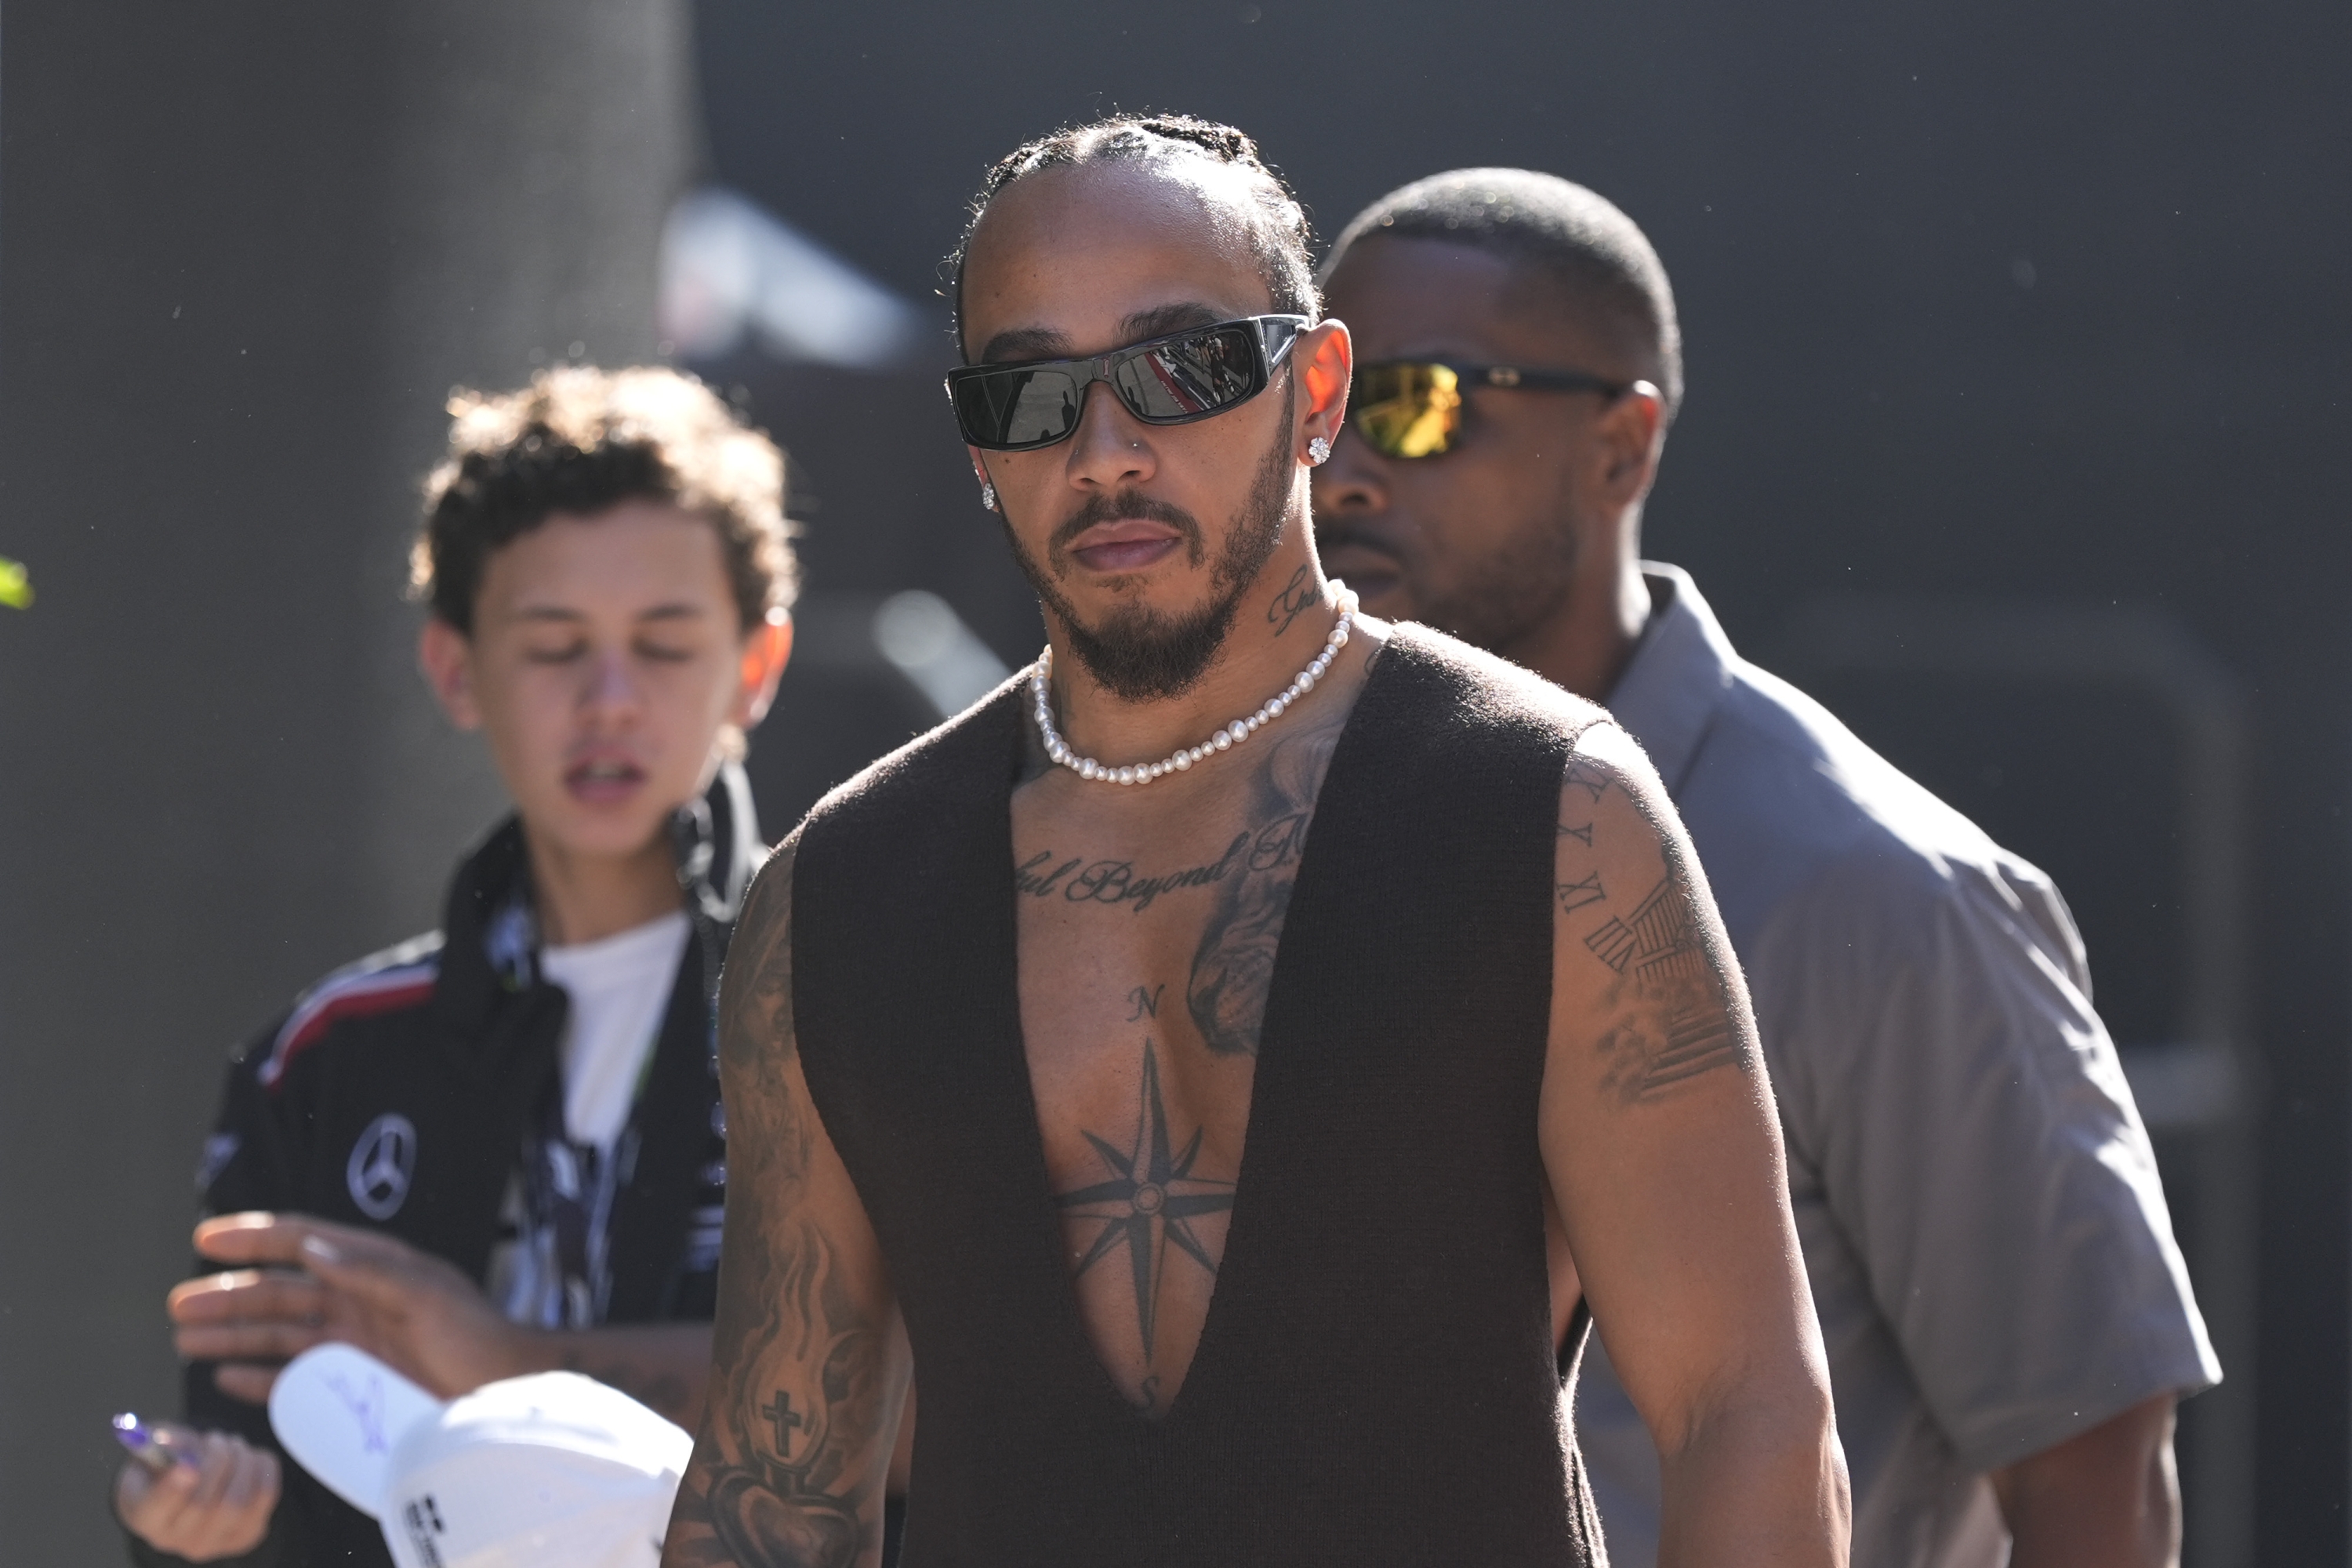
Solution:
(382, 1163)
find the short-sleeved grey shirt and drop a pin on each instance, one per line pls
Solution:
(1989, 1246)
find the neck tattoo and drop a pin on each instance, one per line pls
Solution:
(1225, 740)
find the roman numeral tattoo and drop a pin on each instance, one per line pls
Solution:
(1672, 1003)
(1686, 1028)
(1574, 895)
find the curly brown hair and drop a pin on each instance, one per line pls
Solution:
(580, 440)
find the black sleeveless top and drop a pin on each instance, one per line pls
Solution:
(1376, 1381)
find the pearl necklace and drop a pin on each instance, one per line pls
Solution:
(1231, 735)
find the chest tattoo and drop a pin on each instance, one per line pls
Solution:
(1249, 884)
(1142, 1207)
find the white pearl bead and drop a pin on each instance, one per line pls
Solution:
(1221, 740)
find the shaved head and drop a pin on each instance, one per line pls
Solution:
(1575, 250)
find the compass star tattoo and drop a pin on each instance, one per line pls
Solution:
(1146, 1203)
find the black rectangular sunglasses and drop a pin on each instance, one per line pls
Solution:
(1173, 379)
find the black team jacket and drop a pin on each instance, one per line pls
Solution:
(397, 1093)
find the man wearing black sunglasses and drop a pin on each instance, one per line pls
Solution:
(2008, 1318)
(1199, 1047)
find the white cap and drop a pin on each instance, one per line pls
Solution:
(555, 1470)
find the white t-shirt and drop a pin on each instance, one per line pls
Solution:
(619, 986)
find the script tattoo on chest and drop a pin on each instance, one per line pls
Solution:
(1250, 884)
(1082, 881)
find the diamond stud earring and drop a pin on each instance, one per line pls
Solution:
(1319, 451)
(988, 495)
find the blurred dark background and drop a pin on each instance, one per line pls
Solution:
(2016, 431)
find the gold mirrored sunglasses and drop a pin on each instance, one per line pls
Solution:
(1412, 408)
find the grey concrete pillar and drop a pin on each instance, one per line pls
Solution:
(245, 251)
(534, 149)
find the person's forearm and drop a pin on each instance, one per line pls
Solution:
(2108, 1498)
(663, 1365)
(1765, 1485)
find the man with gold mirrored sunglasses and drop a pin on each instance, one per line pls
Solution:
(2007, 1318)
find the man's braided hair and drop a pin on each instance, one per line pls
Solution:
(1279, 236)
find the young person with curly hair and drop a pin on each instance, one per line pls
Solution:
(497, 1149)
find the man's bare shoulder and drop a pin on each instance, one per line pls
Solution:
(755, 994)
(1643, 973)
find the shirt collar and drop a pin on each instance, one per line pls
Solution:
(1679, 671)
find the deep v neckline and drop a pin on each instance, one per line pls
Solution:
(1242, 1247)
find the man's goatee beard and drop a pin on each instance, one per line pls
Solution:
(1140, 655)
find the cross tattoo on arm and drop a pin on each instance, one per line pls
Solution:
(785, 1419)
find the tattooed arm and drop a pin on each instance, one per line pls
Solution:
(808, 1361)
(1663, 1151)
